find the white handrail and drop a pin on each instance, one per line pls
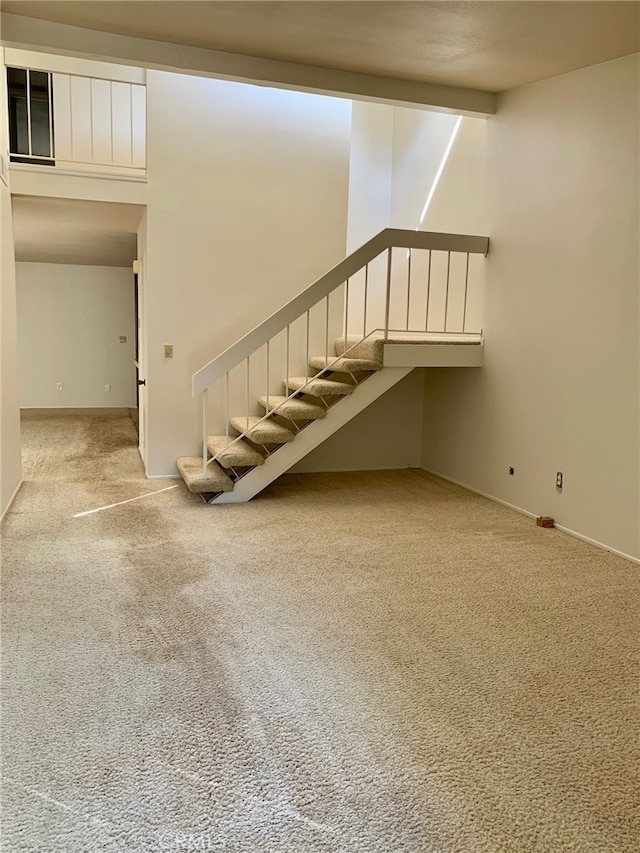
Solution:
(386, 239)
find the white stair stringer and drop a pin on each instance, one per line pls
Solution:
(313, 435)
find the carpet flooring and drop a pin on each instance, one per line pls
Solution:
(351, 663)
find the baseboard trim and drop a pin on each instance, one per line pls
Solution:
(522, 511)
(597, 544)
(162, 476)
(11, 500)
(373, 468)
(72, 408)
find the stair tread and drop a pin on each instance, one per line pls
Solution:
(262, 431)
(190, 468)
(239, 454)
(344, 364)
(320, 386)
(296, 410)
(368, 348)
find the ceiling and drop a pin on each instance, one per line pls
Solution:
(492, 46)
(67, 231)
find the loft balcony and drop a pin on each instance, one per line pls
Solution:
(75, 123)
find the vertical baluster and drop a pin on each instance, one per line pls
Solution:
(286, 358)
(426, 316)
(93, 156)
(446, 295)
(205, 399)
(50, 96)
(346, 314)
(111, 116)
(268, 342)
(307, 350)
(466, 286)
(28, 76)
(326, 333)
(247, 400)
(226, 407)
(388, 301)
(408, 287)
(366, 294)
(131, 118)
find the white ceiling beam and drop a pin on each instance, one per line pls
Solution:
(34, 34)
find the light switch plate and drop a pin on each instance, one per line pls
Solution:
(168, 350)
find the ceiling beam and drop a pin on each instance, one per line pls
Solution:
(34, 34)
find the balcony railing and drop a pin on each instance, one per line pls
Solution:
(77, 123)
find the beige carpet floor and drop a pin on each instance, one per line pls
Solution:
(352, 663)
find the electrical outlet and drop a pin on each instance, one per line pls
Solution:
(123, 339)
(59, 386)
(107, 387)
(168, 350)
(559, 480)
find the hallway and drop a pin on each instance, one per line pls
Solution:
(353, 663)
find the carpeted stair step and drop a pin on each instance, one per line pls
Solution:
(190, 468)
(295, 410)
(262, 431)
(240, 454)
(344, 365)
(320, 386)
(371, 348)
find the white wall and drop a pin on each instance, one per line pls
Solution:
(11, 470)
(560, 386)
(143, 414)
(70, 319)
(420, 139)
(459, 204)
(370, 172)
(247, 204)
(10, 464)
(387, 434)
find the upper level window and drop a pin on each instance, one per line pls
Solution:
(30, 116)
(75, 122)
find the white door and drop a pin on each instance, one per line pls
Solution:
(141, 362)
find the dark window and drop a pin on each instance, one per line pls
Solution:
(30, 116)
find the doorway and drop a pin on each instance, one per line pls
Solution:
(79, 342)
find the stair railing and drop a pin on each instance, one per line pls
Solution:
(397, 296)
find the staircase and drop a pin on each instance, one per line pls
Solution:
(362, 300)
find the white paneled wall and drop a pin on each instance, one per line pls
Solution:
(99, 124)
